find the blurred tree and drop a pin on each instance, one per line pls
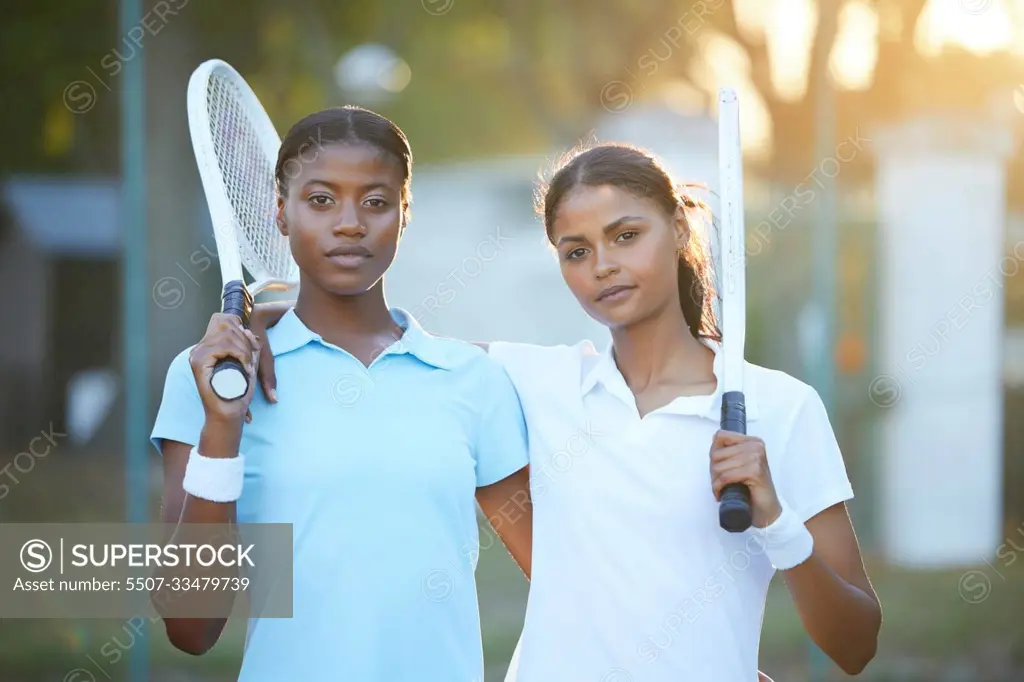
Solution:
(567, 56)
(487, 76)
(45, 48)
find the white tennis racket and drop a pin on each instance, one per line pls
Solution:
(734, 512)
(236, 149)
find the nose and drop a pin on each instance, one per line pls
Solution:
(604, 265)
(349, 224)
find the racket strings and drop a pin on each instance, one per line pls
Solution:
(248, 176)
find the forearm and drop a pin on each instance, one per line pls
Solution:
(220, 441)
(198, 635)
(509, 510)
(842, 619)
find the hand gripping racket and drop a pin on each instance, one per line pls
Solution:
(236, 148)
(734, 513)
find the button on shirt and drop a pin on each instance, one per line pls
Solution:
(376, 468)
(633, 579)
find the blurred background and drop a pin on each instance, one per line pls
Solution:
(885, 240)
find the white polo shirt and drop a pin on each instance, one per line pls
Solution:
(633, 578)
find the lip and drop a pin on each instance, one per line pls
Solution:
(614, 293)
(349, 255)
(350, 250)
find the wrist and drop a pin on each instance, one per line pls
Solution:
(772, 515)
(220, 438)
(786, 540)
(216, 479)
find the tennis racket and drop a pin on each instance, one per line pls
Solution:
(236, 148)
(734, 512)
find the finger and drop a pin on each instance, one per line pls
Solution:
(724, 438)
(265, 371)
(226, 337)
(221, 321)
(239, 335)
(230, 347)
(747, 475)
(730, 451)
(739, 461)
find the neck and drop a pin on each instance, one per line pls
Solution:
(342, 319)
(661, 350)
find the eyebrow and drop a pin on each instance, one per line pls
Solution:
(615, 224)
(365, 188)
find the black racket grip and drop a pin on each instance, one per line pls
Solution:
(229, 379)
(734, 514)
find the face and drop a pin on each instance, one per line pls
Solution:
(618, 253)
(343, 217)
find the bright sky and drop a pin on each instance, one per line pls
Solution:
(979, 26)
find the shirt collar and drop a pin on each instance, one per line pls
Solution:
(606, 373)
(290, 334)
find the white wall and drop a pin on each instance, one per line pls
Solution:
(451, 273)
(474, 262)
(941, 194)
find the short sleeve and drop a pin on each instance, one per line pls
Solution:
(501, 445)
(544, 369)
(813, 476)
(181, 414)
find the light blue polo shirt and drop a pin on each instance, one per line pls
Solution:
(376, 468)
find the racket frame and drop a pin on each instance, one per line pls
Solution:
(229, 379)
(734, 503)
(232, 252)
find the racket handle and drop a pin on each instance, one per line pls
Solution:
(734, 514)
(229, 380)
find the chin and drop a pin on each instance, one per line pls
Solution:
(626, 314)
(346, 282)
(613, 317)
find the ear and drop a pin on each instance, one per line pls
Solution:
(404, 221)
(279, 220)
(682, 229)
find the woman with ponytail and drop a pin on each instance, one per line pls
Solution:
(632, 576)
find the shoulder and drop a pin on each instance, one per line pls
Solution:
(512, 354)
(179, 382)
(468, 361)
(542, 374)
(780, 396)
(180, 365)
(457, 354)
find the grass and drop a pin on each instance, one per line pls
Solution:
(930, 631)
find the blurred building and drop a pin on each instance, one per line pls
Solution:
(58, 269)
(946, 268)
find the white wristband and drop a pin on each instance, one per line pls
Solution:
(217, 479)
(787, 541)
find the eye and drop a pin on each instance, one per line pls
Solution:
(576, 253)
(626, 236)
(321, 200)
(375, 202)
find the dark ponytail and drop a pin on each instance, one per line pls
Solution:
(639, 173)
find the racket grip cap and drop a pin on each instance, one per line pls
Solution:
(229, 379)
(734, 513)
